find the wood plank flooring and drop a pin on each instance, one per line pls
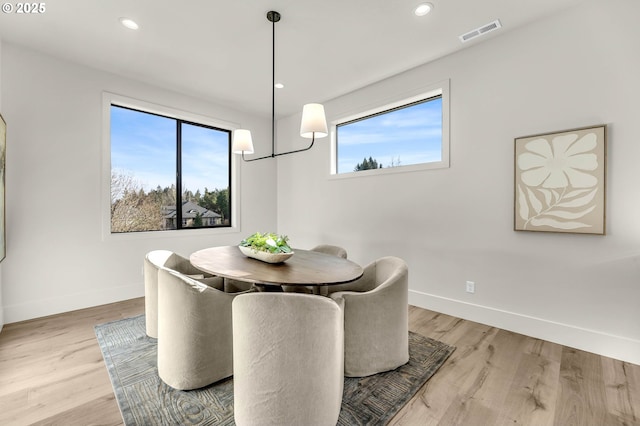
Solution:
(52, 373)
(496, 377)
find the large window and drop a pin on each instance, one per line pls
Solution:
(167, 173)
(406, 135)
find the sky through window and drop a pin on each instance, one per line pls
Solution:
(405, 136)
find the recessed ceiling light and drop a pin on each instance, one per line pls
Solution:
(422, 9)
(278, 85)
(129, 23)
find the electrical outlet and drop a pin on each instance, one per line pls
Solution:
(471, 287)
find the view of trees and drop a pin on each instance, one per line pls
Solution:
(371, 163)
(367, 165)
(134, 209)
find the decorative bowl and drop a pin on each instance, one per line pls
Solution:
(264, 255)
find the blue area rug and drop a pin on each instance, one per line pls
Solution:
(144, 399)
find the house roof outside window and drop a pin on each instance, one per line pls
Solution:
(189, 211)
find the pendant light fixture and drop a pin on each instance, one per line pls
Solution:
(314, 123)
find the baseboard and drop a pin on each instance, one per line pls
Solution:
(612, 346)
(56, 305)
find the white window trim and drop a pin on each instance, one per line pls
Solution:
(111, 98)
(424, 92)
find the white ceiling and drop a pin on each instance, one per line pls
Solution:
(221, 50)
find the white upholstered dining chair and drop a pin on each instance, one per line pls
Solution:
(288, 359)
(376, 319)
(332, 250)
(195, 337)
(153, 261)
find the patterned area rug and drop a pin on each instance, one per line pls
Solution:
(130, 357)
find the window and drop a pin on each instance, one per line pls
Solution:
(411, 134)
(152, 156)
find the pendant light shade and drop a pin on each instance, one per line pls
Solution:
(314, 122)
(313, 125)
(242, 142)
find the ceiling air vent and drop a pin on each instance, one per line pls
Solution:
(492, 26)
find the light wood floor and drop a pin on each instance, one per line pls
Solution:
(52, 373)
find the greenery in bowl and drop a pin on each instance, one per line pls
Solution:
(268, 242)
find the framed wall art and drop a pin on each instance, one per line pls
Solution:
(3, 150)
(560, 181)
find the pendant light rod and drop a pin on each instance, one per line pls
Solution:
(273, 17)
(313, 118)
(280, 153)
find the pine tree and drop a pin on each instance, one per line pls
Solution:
(367, 164)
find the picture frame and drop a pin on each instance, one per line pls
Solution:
(560, 181)
(3, 158)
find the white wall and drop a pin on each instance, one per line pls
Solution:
(576, 69)
(57, 259)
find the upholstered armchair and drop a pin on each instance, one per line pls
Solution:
(322, 248)
(332, 250)
(288, 359)
(376, 318)
(195, 338)
(152, 262)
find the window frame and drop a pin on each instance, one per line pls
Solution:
(109, 99)
(383, 106)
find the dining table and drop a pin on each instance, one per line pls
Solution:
(305, 268)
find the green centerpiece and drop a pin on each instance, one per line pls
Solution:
(268, 247)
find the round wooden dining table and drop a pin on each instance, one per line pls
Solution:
(304, 268)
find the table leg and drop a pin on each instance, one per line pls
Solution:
(266, 288)
(321, 290)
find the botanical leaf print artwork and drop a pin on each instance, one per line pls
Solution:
(559, 181)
